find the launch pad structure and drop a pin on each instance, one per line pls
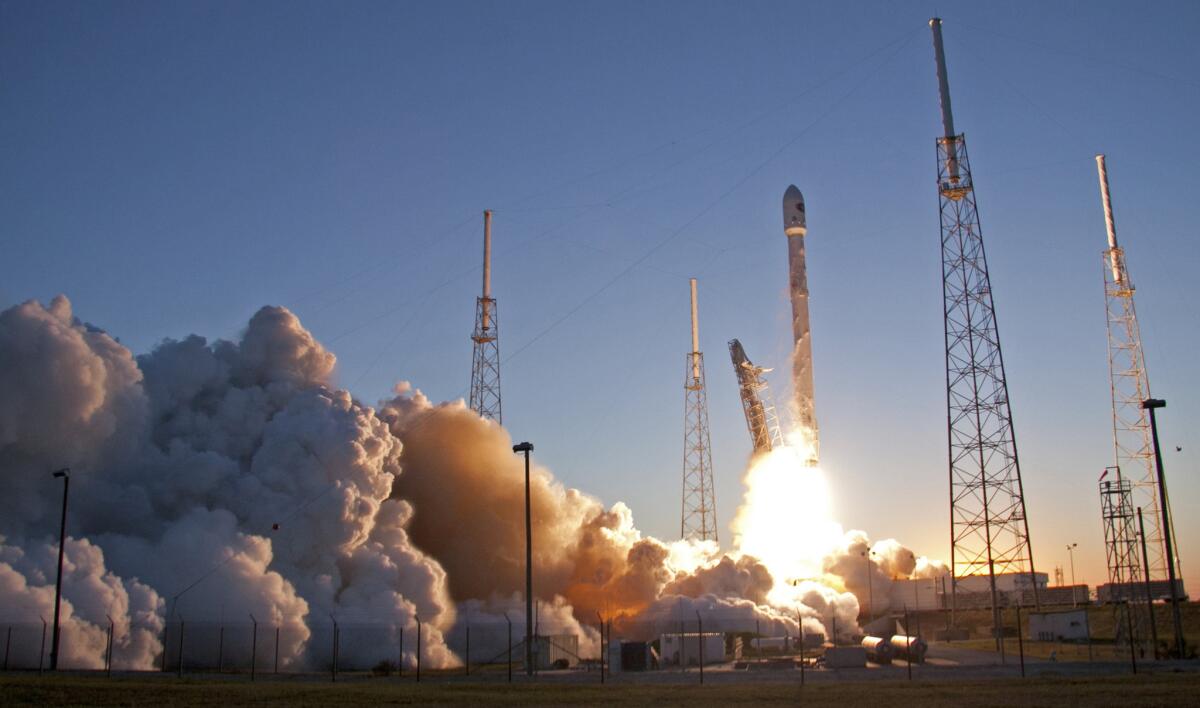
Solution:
(757, 404)
(989, 530)
(485, 357)
(699, 515)
(1133, 449)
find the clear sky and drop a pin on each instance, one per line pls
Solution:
(173, 166)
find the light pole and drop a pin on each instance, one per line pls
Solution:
(1151, 405)
(527, 447)
(65, 474)
(1071, 553)
(1149, 595)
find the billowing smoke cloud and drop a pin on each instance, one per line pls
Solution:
(232, 478)
(215, 481)
(467, 489)
(868, 570)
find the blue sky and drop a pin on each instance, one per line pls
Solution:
(173, 166)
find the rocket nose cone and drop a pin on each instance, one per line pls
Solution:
(793, 210)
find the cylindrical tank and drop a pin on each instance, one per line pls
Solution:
(909, 648)
(878, 650)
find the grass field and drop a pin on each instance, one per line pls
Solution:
(1165, 689)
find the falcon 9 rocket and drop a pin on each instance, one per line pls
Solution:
(803, 408)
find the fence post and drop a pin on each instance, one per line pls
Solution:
(333, 664)
(179, 669)
(253, 646)
(602, 647)
(908, 652)
(418, 618)
(799, 631)
(700, 642)
(1132, 643)
(1021, 640)
(276, 649)
(108, 648)
(221, 649)
(42, 651)
(400, 658)
(166, 630)
(506, 619)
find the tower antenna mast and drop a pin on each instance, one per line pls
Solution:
(1133, 449)
(989, 530)
(699, 517)
(485, 358)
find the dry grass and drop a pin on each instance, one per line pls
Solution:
(1166, 689)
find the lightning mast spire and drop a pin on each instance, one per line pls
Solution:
(485, 359)
(1132, 446)
(699, 517)
(989, 531)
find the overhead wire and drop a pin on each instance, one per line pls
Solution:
(675, 233)
(422, 419)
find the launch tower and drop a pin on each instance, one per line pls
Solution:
(1132, 446)
(756, 401)
(989, 532)
(485, 359)
(699, 518)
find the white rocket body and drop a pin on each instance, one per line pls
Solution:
(803, 404)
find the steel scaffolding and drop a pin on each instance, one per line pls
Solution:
(757, 403)
(989, 530)
(1121, 553)
(699, 515)
(1133, 449)
(485, 357)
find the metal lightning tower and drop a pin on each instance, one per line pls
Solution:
(989, 532)
(1132, 446)
(485, 359)
(757, 403)
(1121, 553)
(699, 519)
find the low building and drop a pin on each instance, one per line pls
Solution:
(1120, 592)
(555, 651)
(687, 649)
(1064, 595)
(1063, 625)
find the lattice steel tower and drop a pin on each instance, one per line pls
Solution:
(989, 531)
(485, 360)
(699, 518)
(1132, 446)
(1122, 556)
(757, 403)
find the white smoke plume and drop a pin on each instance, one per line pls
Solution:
(233, 478)
(215, 481)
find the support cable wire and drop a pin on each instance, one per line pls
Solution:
(427, 416)
(678, 231)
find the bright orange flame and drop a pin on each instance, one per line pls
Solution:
(785, 519)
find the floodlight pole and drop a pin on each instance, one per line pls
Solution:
(1149, 595)
(527, 447)
(1071, 553)
(1151, 405)
(65, 474)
